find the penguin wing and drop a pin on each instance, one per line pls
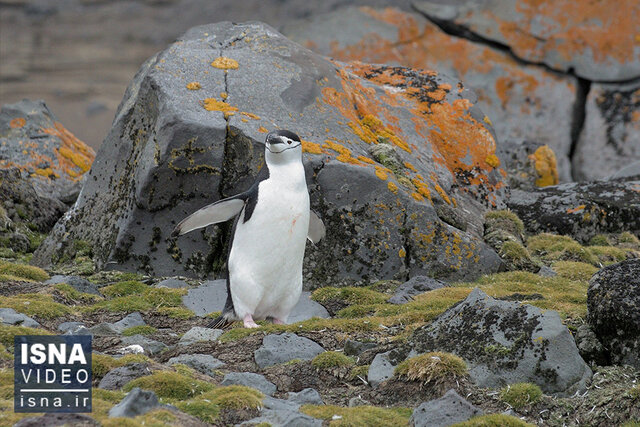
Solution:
(316, 228)
(220, 211)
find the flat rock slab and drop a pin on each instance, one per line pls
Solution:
(118, 377)
(415, 286)
(131, 320)
(211, 296)
(284, 418)
(506, 342)
(9, 316)
(449, 409)
(250, 379)
(205, 363)
(305, 396)
(198, 333)
(282, 348)
(613, 304)
(78, 283)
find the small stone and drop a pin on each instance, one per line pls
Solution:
(70, 327)
(150, 346)
(415, 286)
(133, 319)
(9, 316)
(249, 379)
(284, 418)
(358, 401)
(354, 348)
(282, 348)
(279, 404)
(547, 272)
(306, 396)
(136, 402)
(198, 333)
(78, 283)
(449, 409)
(118, 377)
(306, 308)
(204, 363)
(103, 329)
(381, 369)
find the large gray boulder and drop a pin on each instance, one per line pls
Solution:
(507, 342)
(613, 303)
(596, 40)
(173, 150)
(520, 100)
(580, 210)
(445, 411)
(282, 348)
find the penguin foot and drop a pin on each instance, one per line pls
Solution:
(249, 323)
(277, 321)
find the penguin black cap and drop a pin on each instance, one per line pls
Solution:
(271, 138)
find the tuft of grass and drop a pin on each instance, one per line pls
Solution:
(170, 385)
(69, 293)
(176, 312)
(114, 396)
(634, 392)
(349, 295)
(435, 367)
(8, 332)
(101, 363)
(140, 329)
(628, 237)
(122, 289)
(504, 220)
(23, 272)
(359, 415)
(599, 240)
(141, 298)
(39, 305)
(331, 359)
(573, 270)
(552, 247)
(359, 371)
(234, 397)
(521, 394)
(494, 420)
(203, 410)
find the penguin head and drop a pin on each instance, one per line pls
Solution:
(283, 146)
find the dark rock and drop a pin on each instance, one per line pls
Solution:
(306, 396)
(580, 210)
(78, 283)
(198, 333)
(531, 165)
(609, 138)
(205, 363)
(547, 271)
(9, 316)
(58, 419)
(381, 369)
(284, 418)
(249, 379)
(590, 348)
(103, 329)
(136, 402)
(354, 348)
(415, 286)
(167, 155)
(613, 310)
(279, 404)
(118, 377)
(282, 348)
(150, 346)
(306, 308)
(449, 409)
(48, 156)
(507, 342)
(19, 242)
(129, 321)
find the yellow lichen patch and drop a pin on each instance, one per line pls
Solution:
(487, 120)
(250, 115)
(344, 154)
(212, 104)
(442, 193)
(493, 160)
(72, 152)
(417, 196)
(392, 187)
(48, 173)
(576, 209)
(422, 188)
(381, 173)
(546, 166)
(18, 122)
(364, 159)
(402, 253)
(311, 147)
(224, 95)
(194, 86)
(262, 129)
(225, 63)
(410, 166)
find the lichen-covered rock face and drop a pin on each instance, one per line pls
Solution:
(613, 302)
(580, 210)
(598, 40)
(610, 138)
(47, 154)
(531, 165)
(507, 342)
(190, 131)
(520, 100)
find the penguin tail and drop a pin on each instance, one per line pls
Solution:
(220, 322)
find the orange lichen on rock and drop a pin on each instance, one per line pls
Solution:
(311, 147)
(194, 86)
(250, 115)
(442, 193)
(493, 160)
(262, 129)
(18, 122)
(382, 173)
(546, 166)
(344, 154)
(364, 159)
(225, 63)
(72, 152)
(212, 104)
(392, 187)
(576, 209)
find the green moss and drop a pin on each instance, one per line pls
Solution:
(5, 354)
(331, 359)
(170, 385)
(631, 423)
(521, 394)
(157, 417)
(115, 276)
(140, 329)
(434, 367)
(627, 237)
(573, 270)
(494, 420)
(121, 289)
(39, 305)
(205, 411)
(23, 271)
(102, 363)
(349, 295)
(359, 415)
(608, 254)
(69, 293)
(599, 240)
(504, 220)
(146, 299)
(7, 333)
(114, 396)
(234, 397)
(359, 372)
(165, 297)
(514, 251)
(634, 392)
(552, 247)
(176, 312)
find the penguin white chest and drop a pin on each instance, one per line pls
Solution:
(265, 262)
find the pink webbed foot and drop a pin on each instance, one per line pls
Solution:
(249, 323)
(278, 321)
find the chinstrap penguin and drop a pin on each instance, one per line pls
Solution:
(273, 221)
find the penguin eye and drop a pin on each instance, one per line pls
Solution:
(289, 141)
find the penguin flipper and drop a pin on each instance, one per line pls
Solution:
(214, 213)
(316, 228)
